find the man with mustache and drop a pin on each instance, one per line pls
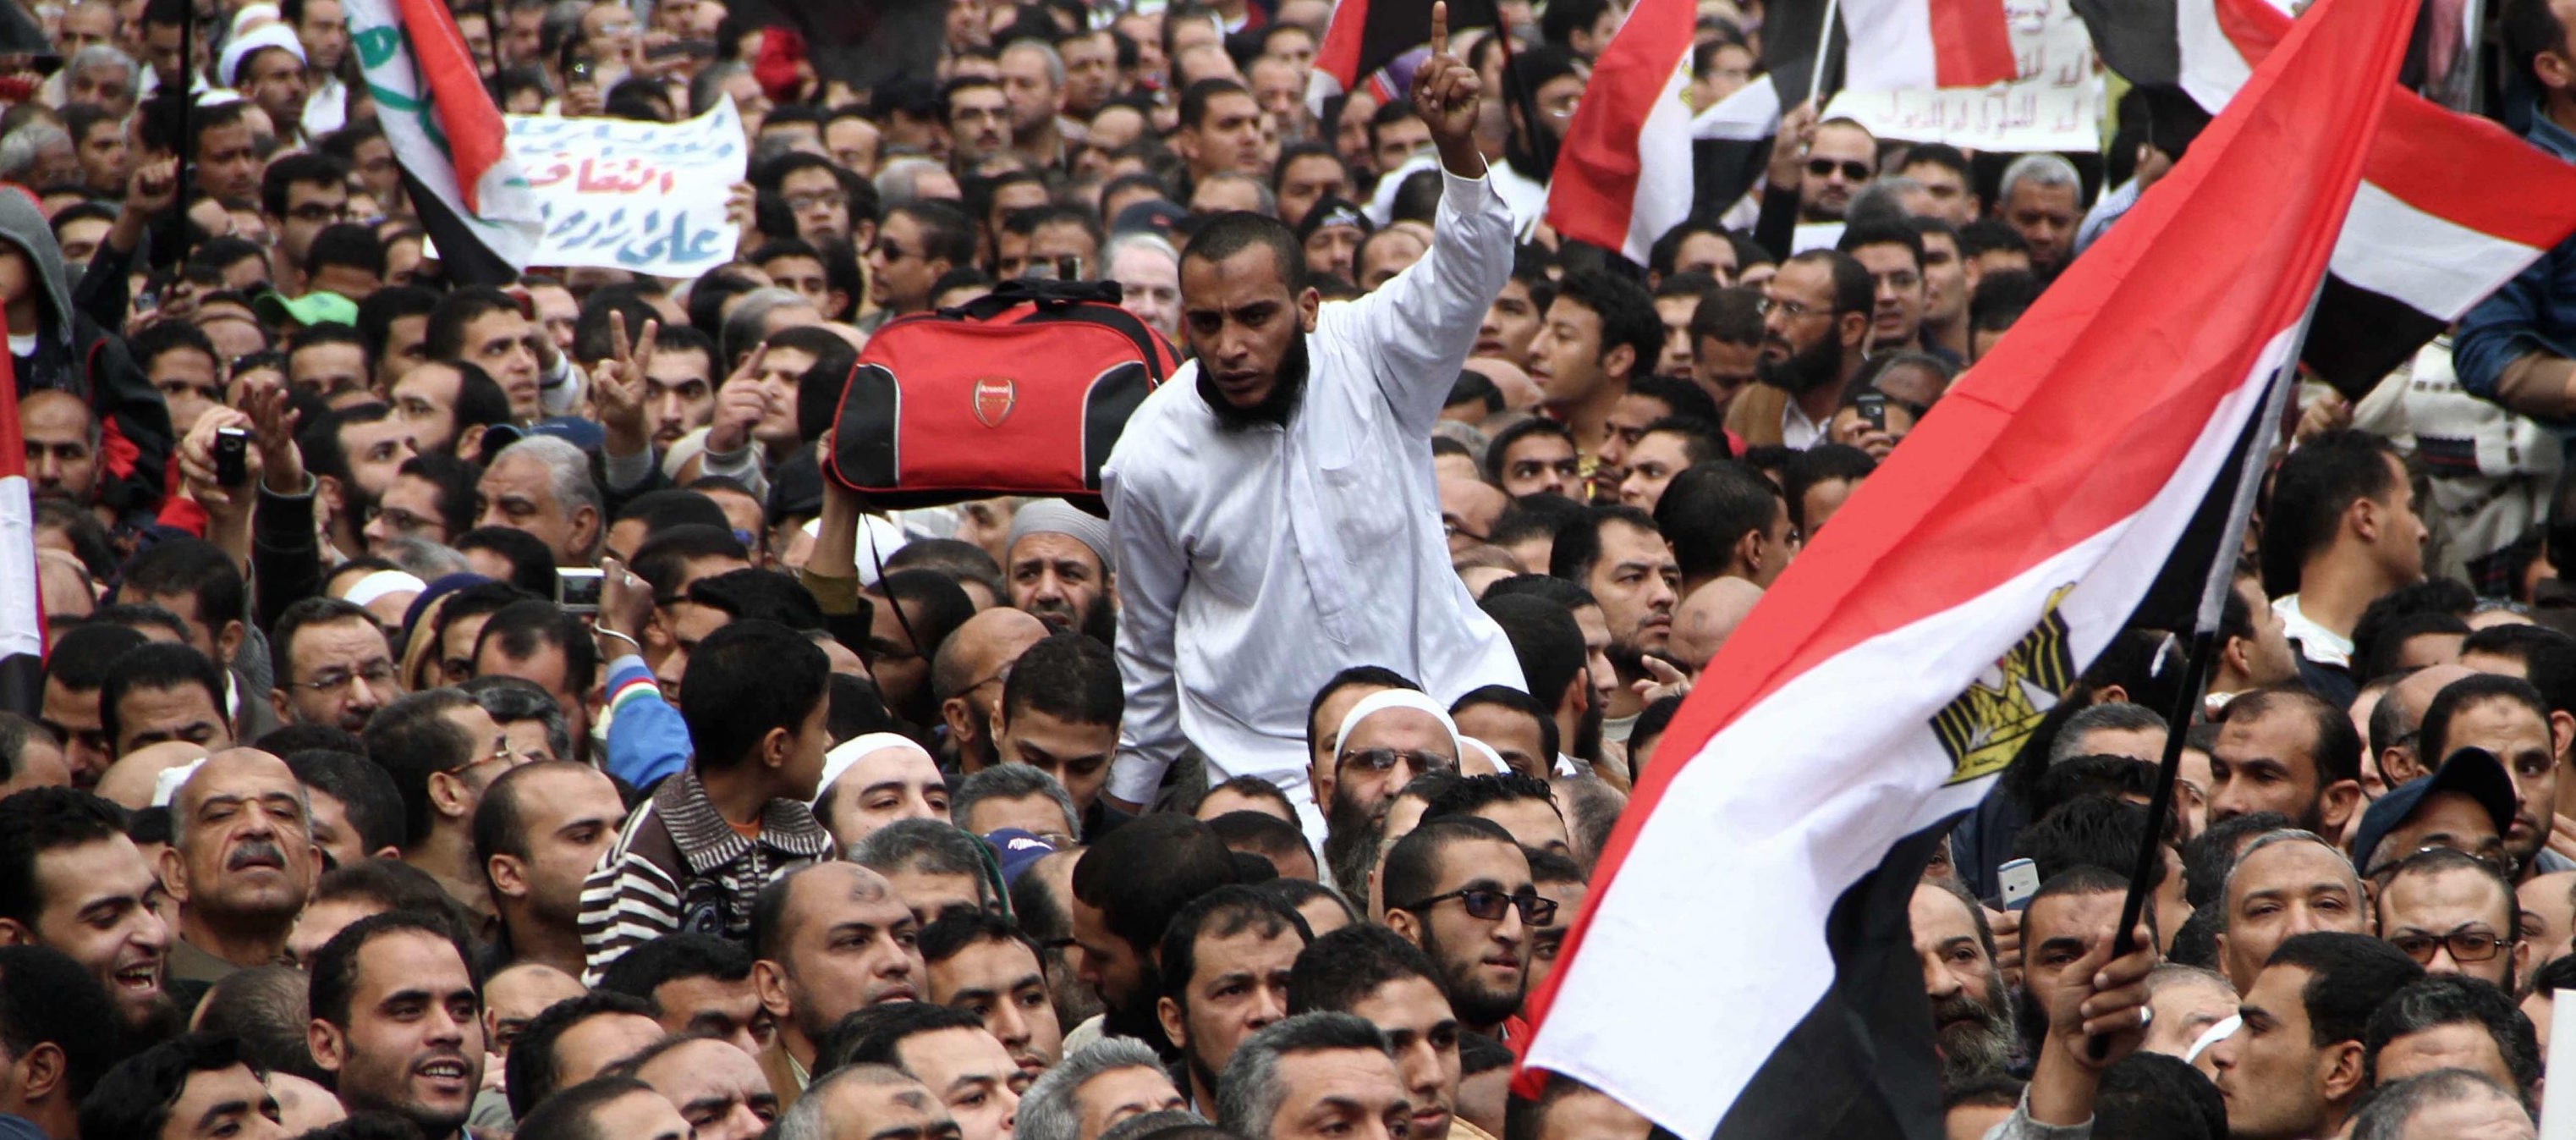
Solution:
(1273, 507)
(1816, 315)
(1972, 1021)
(398, 1023)
(1620, 556)
(1060, 569)
(240, 863)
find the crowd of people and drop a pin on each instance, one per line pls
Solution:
(470, 710)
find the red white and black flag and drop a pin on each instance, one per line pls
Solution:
(448, 138)
(22, 611)
(1365, 37)
(1898, 44)
(1743, 968)
(1624, 175)
(2451, 206)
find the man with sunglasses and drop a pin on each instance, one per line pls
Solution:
(443, 752)
(1460, 889)
(2453, 914)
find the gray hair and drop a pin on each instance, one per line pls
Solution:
(1248, 1095)
(1261, 190)
(2275, 838)
(898, 182)
(805, 1120)
(424, 559)
(511, 700)
(1138, 239)
(2039, 170)
(1011, 782)
(1054, 61)
(1052, 1109)
(1883, 196)
(2113, 716)
(20, 150)
(1145, 1124)
(1476, 442)
(2388, 1112)
(929, 846)
(101, 55)
(743, 328)
(568, 471)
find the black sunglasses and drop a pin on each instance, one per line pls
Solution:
(1852, 168)
(1487, 905)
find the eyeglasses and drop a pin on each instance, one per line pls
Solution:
(404, 522)
(377, 674)
(1487, 905)
(888, 249)
(1854, 170)
(820, 199)
(2465, 945)
(1378, 761)
(1795, 310)
(319, 212)
(502, 754)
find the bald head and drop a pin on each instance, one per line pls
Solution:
(1519, 391)
(130, 781)
(980, 648)
(1470, 507)
(1705, 618)
(229, 772)
(242, 854)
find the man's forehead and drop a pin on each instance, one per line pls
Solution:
(2296, 865)
(2447, 887)
(241, 771)
(2071, 912)
(1483, 858)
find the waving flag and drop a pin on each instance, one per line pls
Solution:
(22, 611)
(2451, 206)
(1896, 44)
(1901, 663)
(447, 137)
(1625, 173)
(1365, 36)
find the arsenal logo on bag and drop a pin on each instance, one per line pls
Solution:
(995, 396)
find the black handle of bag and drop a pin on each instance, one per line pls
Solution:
(1044, 294)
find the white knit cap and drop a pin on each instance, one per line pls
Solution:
(1385, 699)
(265, 37)
(838, 762)
(366, 590)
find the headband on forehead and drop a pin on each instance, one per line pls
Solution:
(1385, 699)
(839, 761)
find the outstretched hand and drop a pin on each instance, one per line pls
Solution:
(1448, 94)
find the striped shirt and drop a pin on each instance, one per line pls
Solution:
(677, 865)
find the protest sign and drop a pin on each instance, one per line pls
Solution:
(645, 197)
(2056, 104)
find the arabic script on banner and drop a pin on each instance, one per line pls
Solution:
(645, 197)
(2056, 104)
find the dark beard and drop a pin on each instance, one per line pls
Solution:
(1477, 1009)
(1102, 620)
(1975, 1048)
(2029, 1020)
(1136, 1018)
(1287, 390)
(1350, 846)
(1804, 372)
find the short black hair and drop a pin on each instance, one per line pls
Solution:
(566, 1114)
(1221, 913)
(42, 820)
(1142, 873)
(648, 966)
(532, 1071)
(335, 965)
(2337, 743)
(1411, 868)
(193, 567)
(153, 666)
(665, 553)
(1230, 233)
(446, 334)
(2456, 999)
(875, 1035)
(1626, 311)
(1069, 676)
(2310, 493)
(1546, 639)
(412, 739)
(133, 1100)
(1339, 970)
(667, 507)
(80, 661)
(2349, 977)
(1470, 793)
(523, 629)
(960, 927)
(303, 614)
(46, 996)
(346, 244)
(1578, 544)
(2089, 831)
(1822, 463)
(1260, 833)
(365, 790)
(745, 679)
(1710, 507)
(2433, 734)
(1502, 443)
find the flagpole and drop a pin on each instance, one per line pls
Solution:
(1824, 52)
(1541, 151)
(2204, 637)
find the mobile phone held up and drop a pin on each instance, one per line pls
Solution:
(232, 457)
(2020, 879)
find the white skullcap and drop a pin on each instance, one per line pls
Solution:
(838, 762)
(1385, 699)
(1480, 752)
(165, 787)
(243, 47)
(366, 590)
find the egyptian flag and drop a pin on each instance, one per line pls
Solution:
(1624, 175)
(1899, 44)
(448, 139)
(2451, 206)
(22, 611)
(1743, 968)
(1366, 37)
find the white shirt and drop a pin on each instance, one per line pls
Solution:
(1797, 432)
(2316, 643)
(1254, 565)
(327, 108)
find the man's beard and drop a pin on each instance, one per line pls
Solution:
(1980, 1046)
(1475, 1006)
(1351, 834)
(1101, 620)
(1075, 1002)
(1135, 1017)
(1587, 735)
(2029, 1020)
(1287, 389)
(1804, 371)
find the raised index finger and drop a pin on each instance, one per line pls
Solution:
(1439, 27)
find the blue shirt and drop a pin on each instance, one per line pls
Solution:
(2534, 312)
